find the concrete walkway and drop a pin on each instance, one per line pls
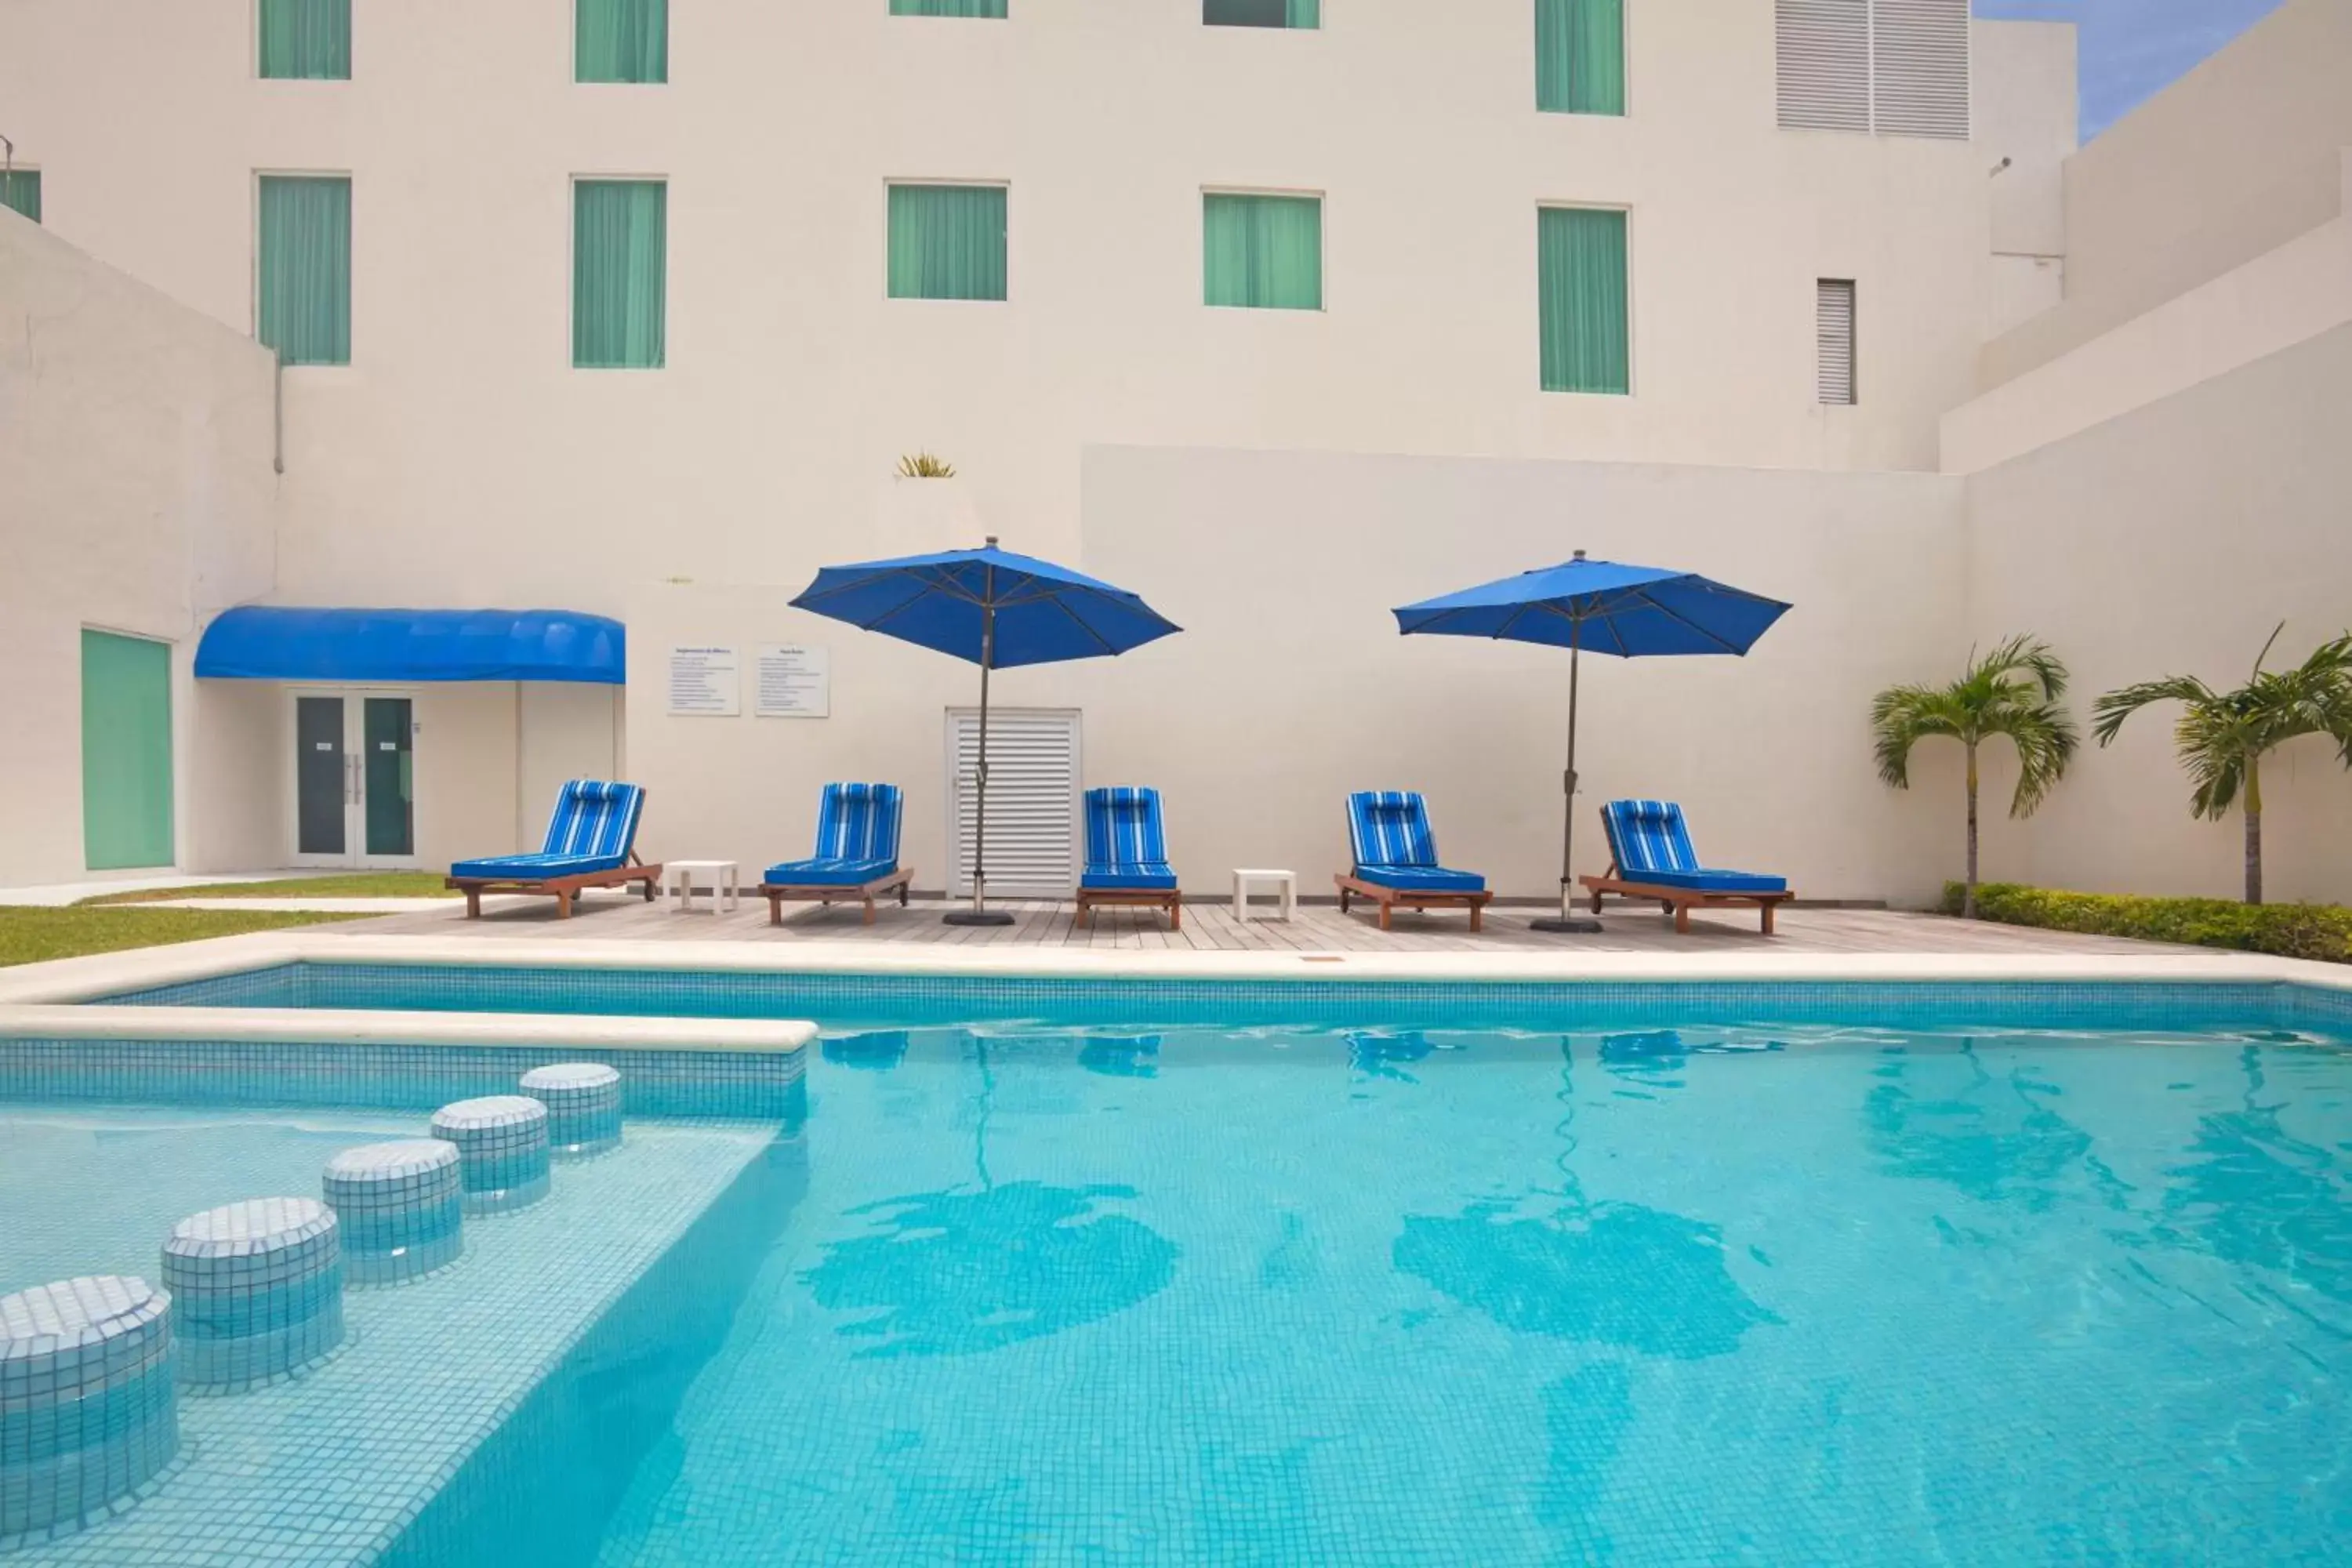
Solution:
(56, 895)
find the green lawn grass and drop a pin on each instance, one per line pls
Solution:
(30, 935)
(346, 885)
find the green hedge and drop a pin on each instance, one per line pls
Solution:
(2323, 931)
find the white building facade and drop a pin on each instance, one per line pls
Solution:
(1712, 283)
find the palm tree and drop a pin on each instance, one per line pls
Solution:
(2223, 736)
(2013, 691)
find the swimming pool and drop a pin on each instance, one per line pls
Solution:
(1651, 1285)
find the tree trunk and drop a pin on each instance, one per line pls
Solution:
(1968, 896)
(2253, 830)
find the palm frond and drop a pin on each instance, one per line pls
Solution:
(2110, 710)
(2045, 738)
(1903, 716)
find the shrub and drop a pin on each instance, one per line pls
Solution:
(2322, 931)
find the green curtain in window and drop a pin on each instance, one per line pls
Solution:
(308, 39)
(995, 9)
(620, 40)
(1581, 275)
(126, 751)
(620, 261)
(947, 242)
(1262, 12)
(1262, 251)
(306, 268)
(20, 191)
(1581, 56)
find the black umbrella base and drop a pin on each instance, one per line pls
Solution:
(976, 918)
(1566, 928)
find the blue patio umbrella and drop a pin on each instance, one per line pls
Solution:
(998, 610)
(1632, 612)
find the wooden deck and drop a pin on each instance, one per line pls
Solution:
(1210, 927)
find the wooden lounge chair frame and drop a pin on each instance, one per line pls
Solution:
(1420, 899)
(779, 894)
(1680, 901)
(563, 890)
(1169, 898)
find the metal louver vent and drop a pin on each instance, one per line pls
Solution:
(1823, 63)
(1833, 332)
(1898, 67)
(1033, 801)
(1919, 68)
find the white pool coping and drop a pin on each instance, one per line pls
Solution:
(48, 986)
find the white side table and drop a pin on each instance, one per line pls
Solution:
(717, 876)
(1282, 884)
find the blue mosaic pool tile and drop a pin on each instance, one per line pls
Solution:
(89, 1412)
(583, 1107)
(728, 1084)
(401, 1207)
(501, 1141)
(257, 1290)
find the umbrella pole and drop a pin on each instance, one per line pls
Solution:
(1566, 922)
(980, 914)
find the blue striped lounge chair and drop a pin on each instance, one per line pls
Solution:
(1127, 854)
(1396, 860)
(856, 856)
(1651, 857)
(591, 843)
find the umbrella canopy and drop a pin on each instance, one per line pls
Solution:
(1605, 606)
(1634, 612)
(949, 603)
(998, 610)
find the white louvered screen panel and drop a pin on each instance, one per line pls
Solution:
(1822, 61)
(1032, 800)
(1833, 331)
(1919, 67)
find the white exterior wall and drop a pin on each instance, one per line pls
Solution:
(2172, 539)
(2232, 160)
(135, 496)
(1290, 686)
(461, 458)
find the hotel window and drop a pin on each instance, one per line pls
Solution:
(620, 265)
(1262, 12)
(1582, 283)
(620, 40)
(306, 40)
(1833, 334)
(1581, 56)
(947, 242)
(304, 309)
(20, 191)
(1262, 252)
(992, 9)
(1895, 68)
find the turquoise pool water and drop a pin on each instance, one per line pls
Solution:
(1292, 1294)
(1478, 1297)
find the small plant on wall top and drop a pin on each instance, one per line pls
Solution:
(2223, 736)
(2013, 691)
(923, 466)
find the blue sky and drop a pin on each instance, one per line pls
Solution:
(2132, 48)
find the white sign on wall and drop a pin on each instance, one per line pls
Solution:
(792, 681)
(702, 682)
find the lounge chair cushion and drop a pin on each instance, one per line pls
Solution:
(1390, 827)
(859, 822)
(1422, 878)
(1127, 842)
(1138, 876)
(534, 867)
(1652, 844)
(1709, 881)
(828, 873)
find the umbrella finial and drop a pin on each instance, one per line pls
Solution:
(1578, 556)
(991, 541)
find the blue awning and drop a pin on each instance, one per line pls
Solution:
(273, 643)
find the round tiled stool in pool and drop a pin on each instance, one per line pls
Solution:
(87, 1411)
(501, 1142)
(583, 1106)
(400, 1207)
(257, 1289)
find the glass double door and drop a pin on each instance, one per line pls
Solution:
(354, 780)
